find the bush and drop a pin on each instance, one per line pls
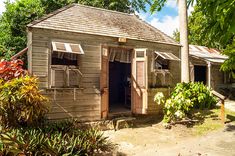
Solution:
(21, 102)
(53, 142)
(197, 92)
(11, 69)
(184, 98)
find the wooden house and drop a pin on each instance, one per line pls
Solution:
(205, 66)
(93, 62)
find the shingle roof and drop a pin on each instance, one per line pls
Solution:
(91, 20)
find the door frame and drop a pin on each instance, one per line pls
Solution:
(105, 90)
(206, 72)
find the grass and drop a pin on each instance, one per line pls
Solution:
(210, 120)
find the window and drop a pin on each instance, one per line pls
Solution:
(65, 65)
(161, 60)
(65, 53)
(161, 63)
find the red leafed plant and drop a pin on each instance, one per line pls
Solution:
(11, 69)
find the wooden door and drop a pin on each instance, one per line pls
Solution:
(104, 83)
(139, 81)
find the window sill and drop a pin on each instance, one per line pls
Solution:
(65, 88)
(161, 70)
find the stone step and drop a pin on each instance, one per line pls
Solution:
(123, 122)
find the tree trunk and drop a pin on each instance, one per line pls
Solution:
(184, 41)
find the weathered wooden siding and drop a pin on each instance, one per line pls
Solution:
(171, 78)
(217, 77)
(153, 107)
(85, 103)
(81, 103)
(29, 54)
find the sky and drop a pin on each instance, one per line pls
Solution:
(167, 20)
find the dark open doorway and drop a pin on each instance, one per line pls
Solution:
(200, 74)
(119, 87)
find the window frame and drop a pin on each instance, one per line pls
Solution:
(65, 68)
(166, 56)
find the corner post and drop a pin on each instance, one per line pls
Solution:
(209, 74)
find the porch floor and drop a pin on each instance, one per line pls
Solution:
(118, 110)
(118, 107)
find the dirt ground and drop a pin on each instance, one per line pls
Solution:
(155, 140)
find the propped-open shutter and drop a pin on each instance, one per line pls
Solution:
(104, 82)
(58, 77)
(74, 78)
(139, 81)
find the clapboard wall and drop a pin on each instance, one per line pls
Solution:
(83, 103)
(217, 76)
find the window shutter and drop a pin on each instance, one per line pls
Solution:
(140, 69)
(74, 78)
(58, 77)
(67, 48)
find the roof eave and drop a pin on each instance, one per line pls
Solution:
(130, 38)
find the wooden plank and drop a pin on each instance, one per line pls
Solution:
(78, 109)
(90, 84)
(91, 79)
(42, 79)
(40, 55)
(39, 62)
(42, 43)
(88, 75)
(43, 50)
(92, 70)
(41, 74)
(43, 84)
(40, 37)
(38, 68)
(77, 103)
(220, 96)
(79, 117)
(90, 64)
(70, 100)
(91, 59)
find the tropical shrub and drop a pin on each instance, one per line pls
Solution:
(30, 142)
(21, 102)
(184, 98)
(199, 94)
(11, 69)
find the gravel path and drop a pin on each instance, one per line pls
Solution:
(157, 141)
(230, 104)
